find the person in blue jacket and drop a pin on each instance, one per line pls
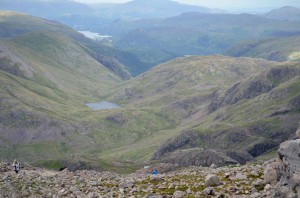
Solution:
(155, 172)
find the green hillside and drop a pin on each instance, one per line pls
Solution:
(250, 119)
(238, 108)
(276, 49)
(14, 24)
(190, 104)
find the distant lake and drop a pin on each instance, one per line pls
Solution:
(102, 105)
(94, 35)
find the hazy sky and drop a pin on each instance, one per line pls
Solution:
(220, 3)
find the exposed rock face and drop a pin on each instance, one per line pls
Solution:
(285, 170)
(198, 157)
(187, 148)
(255, 86)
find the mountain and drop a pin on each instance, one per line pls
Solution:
(47, 76)
(276, 49)
(195, 33)
(287, 13)
(241, 122)
(156, 40)
(15, 24)
(225, 109)
(147, 9)
(234, 109)
(46, 9)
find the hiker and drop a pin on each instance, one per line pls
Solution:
(16, 166)
(155, 172)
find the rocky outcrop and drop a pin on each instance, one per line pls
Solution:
(198, 157)
(284, 171)
(112, 64)
(185, 139)
(219, 147)
(255, 86)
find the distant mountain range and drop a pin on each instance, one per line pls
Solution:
(276, 49)
(148, 9)
(133, 9)
(147, 33)
(195, 33)
(287, 13)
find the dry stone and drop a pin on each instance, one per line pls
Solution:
(178, 194)
(270, 174)
(208, 191)
(212, 180)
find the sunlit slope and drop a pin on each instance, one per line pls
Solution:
(53, 60)
(46, 79)
(14, 24)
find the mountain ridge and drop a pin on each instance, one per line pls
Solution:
(287, 13)
(276, 49)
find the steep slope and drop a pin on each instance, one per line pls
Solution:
(46, 79)
(287, 13)
(276, 49)
(14, 24)
(44, 74)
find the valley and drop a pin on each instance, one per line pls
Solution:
(194, 87)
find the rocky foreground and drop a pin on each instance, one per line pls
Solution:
(192, 182)
(276, 178)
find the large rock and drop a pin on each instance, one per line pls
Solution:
(126, 184)
(289, 153)
(270, 174)
(212, 180)
(208, 191)
(178, 194)
(285, 170)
